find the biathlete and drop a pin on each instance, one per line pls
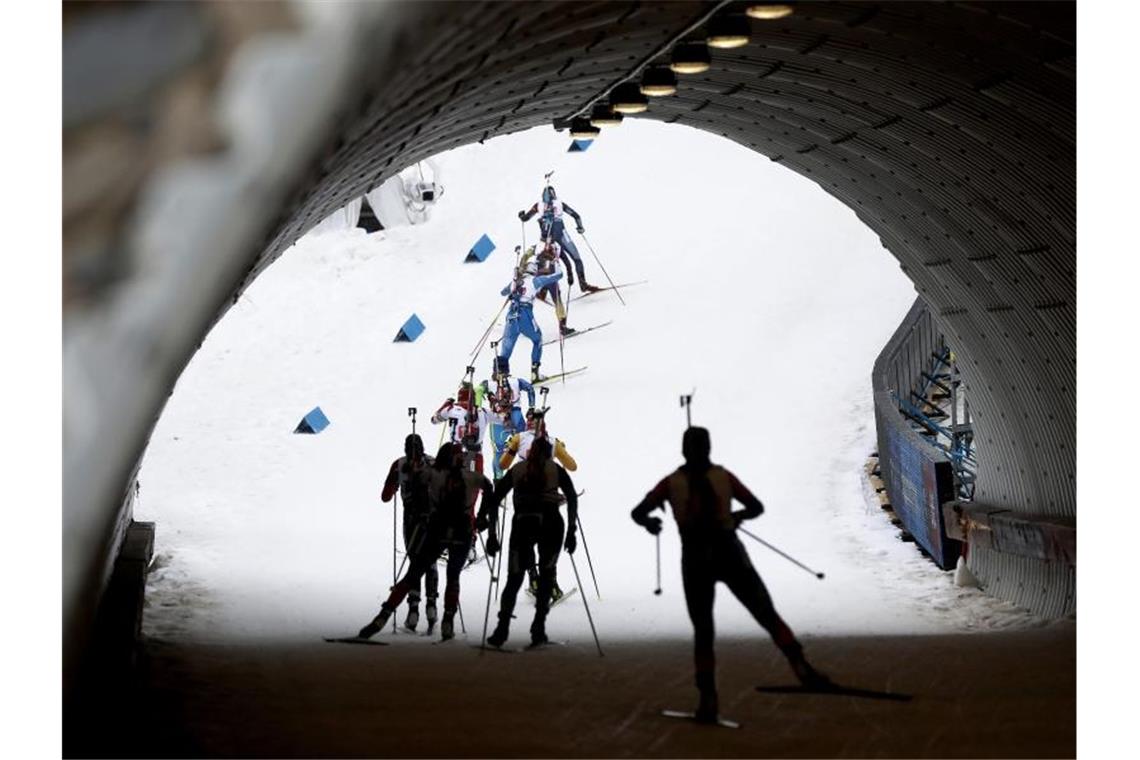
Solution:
(701, 495)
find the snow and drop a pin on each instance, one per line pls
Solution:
(766, 295)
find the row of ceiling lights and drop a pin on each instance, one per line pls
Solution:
(727, 31)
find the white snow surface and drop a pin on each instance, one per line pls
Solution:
(766, 295)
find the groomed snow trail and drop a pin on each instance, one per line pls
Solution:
(766, 295)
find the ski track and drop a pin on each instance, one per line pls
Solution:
(765, 294)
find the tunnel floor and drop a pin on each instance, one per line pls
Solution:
(1007, 694)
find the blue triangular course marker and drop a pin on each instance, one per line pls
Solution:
(410, 330)
(579, 146)
(480, 251)
(313, 422)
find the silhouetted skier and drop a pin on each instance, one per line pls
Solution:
(449, 527)
(410, 473)
(536, 483)
(701, 495)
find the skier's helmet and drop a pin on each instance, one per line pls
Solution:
(548, 195)
(463, 395)
(695, 445)
(413, 446)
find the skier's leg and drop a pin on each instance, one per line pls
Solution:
(744, 582)
(456, 559)
(519, 546)
(510, 335)
(529, 327)
(419, 565)
(410, 537)
(549, 548)
(700, 591)
(571, 249)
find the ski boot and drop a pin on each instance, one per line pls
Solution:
(564, 329)
(708, 707)
(431, 616)
(809, 676)
(377, 623)
(538, 631)
(555, 593)
(534, 375)
(532, 584)
(447, 626)
(588, 288)
(413, 618)
(498, 637)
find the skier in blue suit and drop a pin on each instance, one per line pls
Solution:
(520, 317)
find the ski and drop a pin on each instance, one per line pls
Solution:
(544, 645)
(500, 650)
(555, 602)
(576, 333)
(580, 296)
(837, 689)
(354, 640)
(722, 722)
(559, 376)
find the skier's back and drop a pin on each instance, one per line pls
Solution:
(701, 495)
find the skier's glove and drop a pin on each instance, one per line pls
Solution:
(581, 230)
(522, 216)
(481, 523)
(652, 524)
(492, 545)
(571, 542)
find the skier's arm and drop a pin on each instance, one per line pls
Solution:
(563, 456)
(528, 389)
(391, 482)
(573, 213)
(527, 215)
(752, 506)
(509, 452)
(439, 415)
(487, 512)
(502, 488)
(655, 499)
(546, 279)
(567, 486)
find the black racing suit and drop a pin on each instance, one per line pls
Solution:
(711, 552)
(536, 524)
(448, 527)
(412, 479)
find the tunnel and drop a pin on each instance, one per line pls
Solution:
(948, 128)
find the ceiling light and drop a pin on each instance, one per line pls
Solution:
(769, 11)
(657, 82)
(582, 129)
(627, 98)
(690, 58)
(604, 116)
(729, 32)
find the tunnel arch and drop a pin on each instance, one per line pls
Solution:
(948, 128)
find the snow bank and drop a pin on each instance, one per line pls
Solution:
(765, 294)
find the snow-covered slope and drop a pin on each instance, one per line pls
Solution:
(765, 294)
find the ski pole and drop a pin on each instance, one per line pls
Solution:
(395, 505)
(589, 617)
(589, 561)
(788, 557)
(657, 590)
(487, 332)
(487, 612)
(607, 274)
